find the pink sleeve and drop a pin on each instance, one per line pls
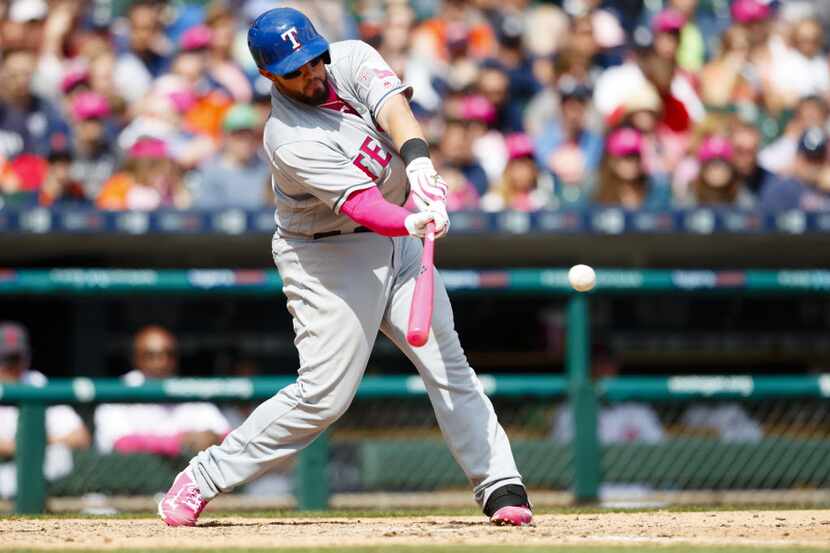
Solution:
(369, 208)
(148, 443)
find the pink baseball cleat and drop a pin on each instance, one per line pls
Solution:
(183, 502)
(512, 515)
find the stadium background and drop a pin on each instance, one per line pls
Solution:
(53, 216)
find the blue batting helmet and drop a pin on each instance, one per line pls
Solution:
(283, 39)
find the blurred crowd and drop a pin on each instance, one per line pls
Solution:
(643, 104)
(168, 430)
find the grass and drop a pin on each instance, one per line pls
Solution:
(472, 511)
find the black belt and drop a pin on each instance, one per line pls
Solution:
(318, 235)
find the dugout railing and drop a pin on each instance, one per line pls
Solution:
(670, 464)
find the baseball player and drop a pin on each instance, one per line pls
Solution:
(345, 151)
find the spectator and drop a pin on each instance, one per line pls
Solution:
(746, 142)
(489, 149)
(596, 31)
(161, 429)
(493, 84)
(666, 27)
(622, 178)
(754, 16)
(23, 25)
(692, 47)
(511, 56)
(481, 62)
(28, 123)
(210, 100)
(681, 104)
(718, 182)
(462, 195)
(643, 110)
(688, 169)
(64, 429)
(568, 148)
(222, 68)
(617, 423)
(171, 113)
(728, 421)
(102, 66)
(811, 111)
(730, 78)
(93, 158)
(59, 189)
(456, 153)
(520, 187)
(459, 30)
(53, 43)
(801, 70)
(445, 51)
(545, 29)
(807, 185)
(149, 179)
(395, 31)
(191, 60)
(569, 65)
(21, 179)
(75, 81)
(237, 176)
(144, 57)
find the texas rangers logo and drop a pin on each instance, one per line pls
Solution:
(291, 34)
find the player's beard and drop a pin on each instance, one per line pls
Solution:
(317, 97)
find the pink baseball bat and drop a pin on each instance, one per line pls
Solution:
(420, 312)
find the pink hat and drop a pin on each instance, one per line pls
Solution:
(625, 142)
(183, 100)
(750, 11)
(518, 145)
(668, 21)
(478, 108)
(176, 89)
(196, 38)
(73, 77)
(90, 105)
(148, 147)
(715, 147)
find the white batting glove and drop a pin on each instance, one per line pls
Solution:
(426, 184)
(416, 223)
(440, 209)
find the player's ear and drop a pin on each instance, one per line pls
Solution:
(267, 74)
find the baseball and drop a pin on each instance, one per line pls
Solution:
(582, 278)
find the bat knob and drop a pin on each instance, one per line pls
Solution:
(417, 337)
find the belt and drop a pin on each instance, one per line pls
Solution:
(318, 235)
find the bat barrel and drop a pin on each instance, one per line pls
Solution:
(420, 311)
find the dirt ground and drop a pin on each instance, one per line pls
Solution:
(767, 528)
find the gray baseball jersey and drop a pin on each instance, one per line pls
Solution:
(341, 290)
(321, 154)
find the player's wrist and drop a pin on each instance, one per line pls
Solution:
(415, 149)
